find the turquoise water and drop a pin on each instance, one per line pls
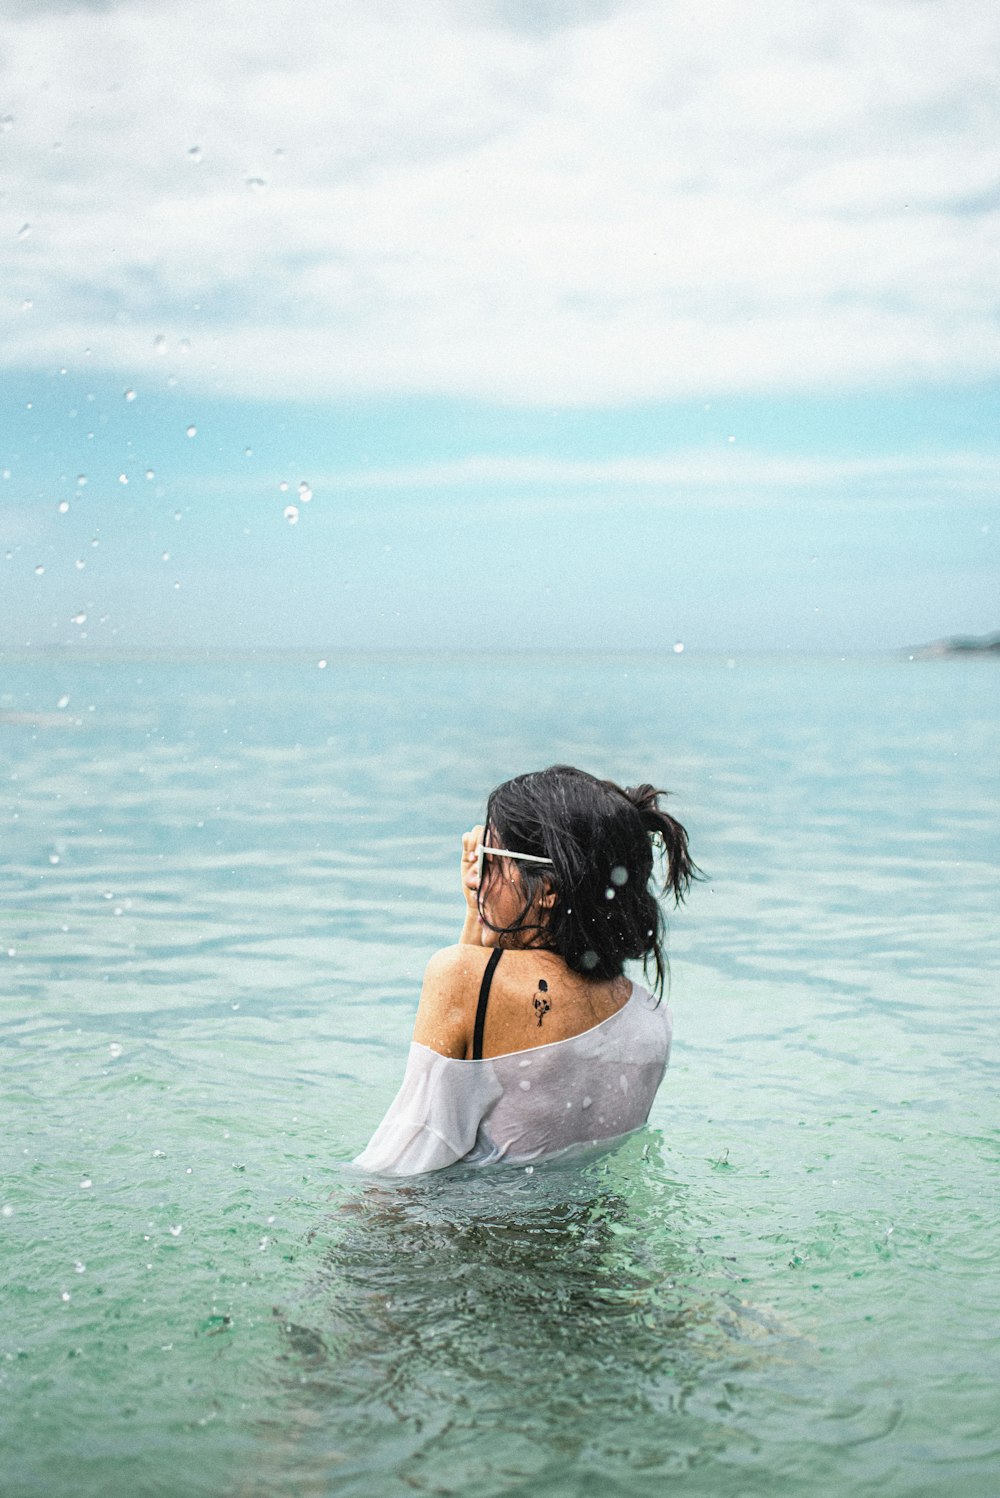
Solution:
(220, 885)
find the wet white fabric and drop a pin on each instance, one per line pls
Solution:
(526, 1105)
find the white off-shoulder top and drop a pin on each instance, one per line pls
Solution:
(526, 1105)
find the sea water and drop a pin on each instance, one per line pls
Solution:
(221, 881)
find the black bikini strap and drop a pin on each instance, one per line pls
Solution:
(484, 998)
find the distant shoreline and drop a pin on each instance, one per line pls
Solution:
(958, 645)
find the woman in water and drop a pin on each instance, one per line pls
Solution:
(529, 1039)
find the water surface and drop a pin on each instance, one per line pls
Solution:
(221, 883)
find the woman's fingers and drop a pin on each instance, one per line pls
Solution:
(470, 842)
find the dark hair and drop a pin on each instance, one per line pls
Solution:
(599, 838)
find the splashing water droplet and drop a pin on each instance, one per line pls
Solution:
(63, 700)
(39, 570)
(24, 231)
(150, 473)
(86, 1183)
(321, 665)
(123, 478)
(619, 875)
(165, 556)
(256, 184)
(160, 343)
(678, 647)
(79, 618)
(64, 507)
(191, 431)
(305, 493)
(194, 152)
(176, 1231)
(53, 859)
(130, 395)
(115, 1050)
(248, 452)
(291, 514)
(81, 480)
(283, 487)
(609, 893)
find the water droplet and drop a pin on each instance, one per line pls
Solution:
(678, 647)
(95, 542)
(177, 587)
(11, 951)
(730, 439)
(305, 493)
(165, 556)
(619, 875)
(39, 570)
(589, 959)
(79, 1266)
(53, 858)
(27, 304)
(623, 1082)
(86, 1183)
(248, 452)
(81, 480)
(65, 1295)
(64, 507)
(609, 893)
(160, 343)
(175, 1232)
(321, 665)
(115, 1050)
(191, 431)
(150, 474)
(283, 487)
(6, 122)
(525, 1085)
(123, 478)
(291, 514)
(80, 618)
(63, 700)
(256, 184)
(587, 1102)
(24, 231)
(194, 152)
(130, 395)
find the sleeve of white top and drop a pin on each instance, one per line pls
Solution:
(435, 1116)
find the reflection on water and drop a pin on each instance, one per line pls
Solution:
(502, 1326)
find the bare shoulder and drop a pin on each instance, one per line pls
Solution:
(446, 1013)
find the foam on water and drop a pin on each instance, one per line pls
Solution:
(220, 885)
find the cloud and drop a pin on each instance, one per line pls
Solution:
(574, 204)
(732, 477)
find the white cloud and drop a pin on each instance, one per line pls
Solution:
(732, 476)
(615, 202)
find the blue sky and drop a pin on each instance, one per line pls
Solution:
(583, 325)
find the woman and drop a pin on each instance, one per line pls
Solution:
(551, 1048)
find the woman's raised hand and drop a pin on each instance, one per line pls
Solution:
(470, 884)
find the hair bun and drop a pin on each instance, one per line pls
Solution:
(644, 798)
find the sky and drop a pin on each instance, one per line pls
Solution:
(595, 324)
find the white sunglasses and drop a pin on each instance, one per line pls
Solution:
(482, 853)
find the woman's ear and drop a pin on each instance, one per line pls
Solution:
(548, 899)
